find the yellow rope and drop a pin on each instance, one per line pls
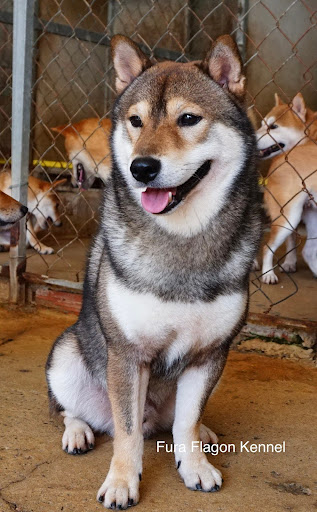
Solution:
(46, 163)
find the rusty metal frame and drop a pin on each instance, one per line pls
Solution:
(22, 65)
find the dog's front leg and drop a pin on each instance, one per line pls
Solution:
(193, 390)
(127, 387)
(34, 241)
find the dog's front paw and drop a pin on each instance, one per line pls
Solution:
(269, 277)
(120, 490)
(199, 475)
(43, 249)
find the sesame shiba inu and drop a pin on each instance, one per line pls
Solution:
(166, 287)
(87, 145)
(10, 211)
(43, 205)
(291, 192)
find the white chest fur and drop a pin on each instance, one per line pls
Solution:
(149, 322)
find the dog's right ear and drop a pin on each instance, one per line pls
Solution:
(128, 60)
(223, 63)
(298, 105)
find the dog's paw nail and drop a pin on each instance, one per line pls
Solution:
(140, 476)
(120, 507)
(75, 451)
(130, 502)
(215, 489)
(66, 449)
(101, 498)
(198, 487)
(91, 446)
(113, 505)
(178, 464)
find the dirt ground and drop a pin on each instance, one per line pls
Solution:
(260, 399)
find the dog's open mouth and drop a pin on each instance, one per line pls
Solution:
(6, 224)
(163, 200)
(263, 153)
(82, 180)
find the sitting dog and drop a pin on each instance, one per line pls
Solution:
(10, 211)
(43, 205)
(166, 287)
(290, 132)
(87, 146)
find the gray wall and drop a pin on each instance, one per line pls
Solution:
(284, 57)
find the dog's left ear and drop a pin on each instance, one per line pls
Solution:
(298, 105)
(223, 63)
(59, 182)
(128, 60)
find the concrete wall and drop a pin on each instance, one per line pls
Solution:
(284, 53)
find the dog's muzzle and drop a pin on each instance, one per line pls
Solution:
(264, 153)
(163, 200)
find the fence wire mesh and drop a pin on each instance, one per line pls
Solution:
(73, 80)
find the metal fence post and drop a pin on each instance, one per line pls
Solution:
(23, 33)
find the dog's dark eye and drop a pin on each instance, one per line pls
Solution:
(136, 121)
(188, 120)
(273, 126)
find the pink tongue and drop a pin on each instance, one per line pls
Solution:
(155, 200)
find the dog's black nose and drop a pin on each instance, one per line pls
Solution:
(145, 169)
(24, 210)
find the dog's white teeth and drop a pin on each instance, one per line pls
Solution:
(170, 197)
(143, 189)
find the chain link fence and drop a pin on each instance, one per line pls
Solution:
(73, 80)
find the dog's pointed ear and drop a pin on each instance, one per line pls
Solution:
(278, 100)
(298, 105)
(223, 63)
(128, 60)
(59, 182)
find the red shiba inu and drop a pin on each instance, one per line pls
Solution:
(291, 191)
(10, 211)
(87, 146)
(43, 205)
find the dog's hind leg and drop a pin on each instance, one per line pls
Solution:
(82, 401)
(34, 241)
(161, 420)
(310, 248)
(78, 437)
(289, 264)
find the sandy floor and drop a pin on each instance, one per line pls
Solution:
(259, 399)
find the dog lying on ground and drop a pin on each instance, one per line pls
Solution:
(10, 211)
(43, 205)
(87, 146)
(166, 287)
(288, 201)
